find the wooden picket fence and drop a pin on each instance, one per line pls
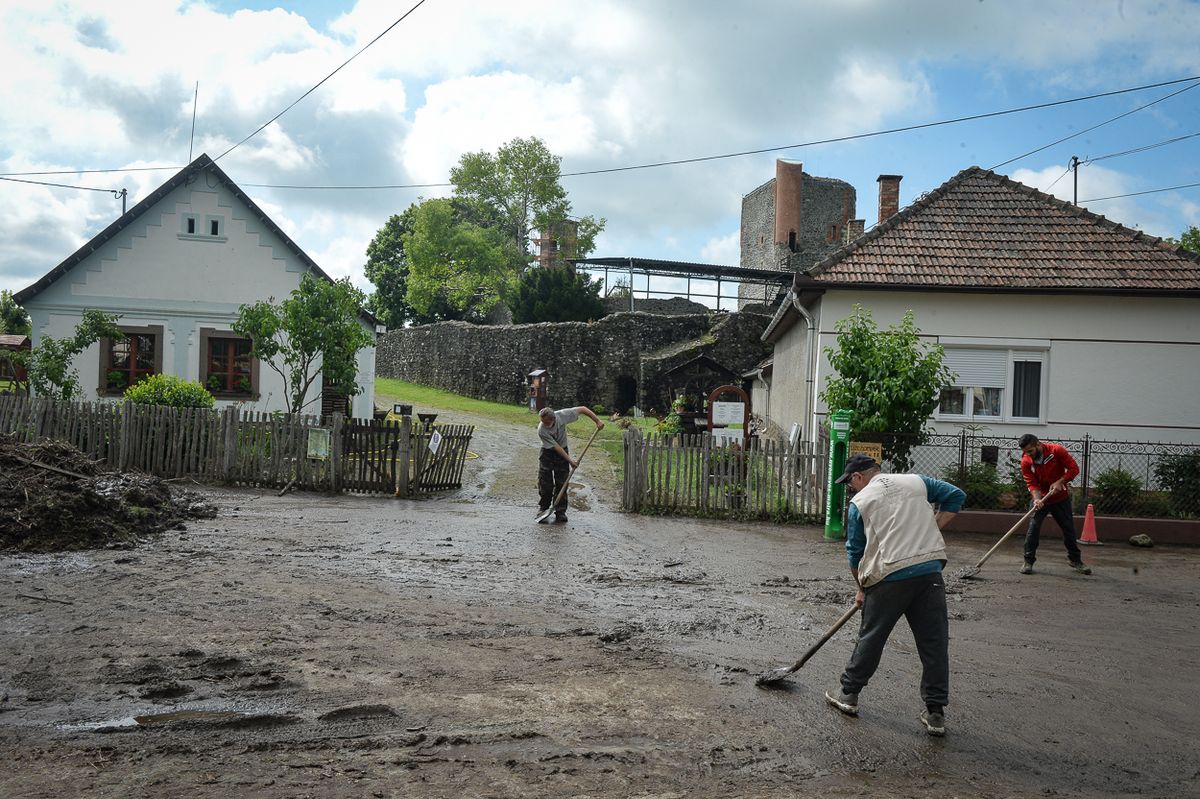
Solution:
(253, 448)
(699, 475)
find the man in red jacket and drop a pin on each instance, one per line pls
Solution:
(1047, 468)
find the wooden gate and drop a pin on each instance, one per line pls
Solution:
(441, 470)
(370, 453)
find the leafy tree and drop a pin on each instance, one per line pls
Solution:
(454, 265)
(519, 188)
(1189, 240)
(169, 390)
(387, 269)
(316, 332)
(13, 318)
(888, 379)
(49, 363)
(557, 294)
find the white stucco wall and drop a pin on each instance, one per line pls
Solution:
(153, 273)
(1120, 368)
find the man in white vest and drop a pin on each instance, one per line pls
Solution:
(894, 542)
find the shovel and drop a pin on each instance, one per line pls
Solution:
(778, 674)
(541, 519)
(971, 571)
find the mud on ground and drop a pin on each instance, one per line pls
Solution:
(355, 647)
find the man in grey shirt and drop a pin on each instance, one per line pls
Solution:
(554, 462)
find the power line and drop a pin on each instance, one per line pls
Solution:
(881, 132)
(57, 185)
(1142, 149)
(319, 83)
(1192, 79)
(91, 171)
(1093, 127)
(1140, 193)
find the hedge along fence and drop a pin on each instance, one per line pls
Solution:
(251, 448)
(697, 475)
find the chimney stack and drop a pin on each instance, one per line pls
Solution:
(854, 229)
(889, 196)
(789, 181)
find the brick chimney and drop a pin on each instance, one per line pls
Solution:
(854, 229)
(789, 181)
(889, 196)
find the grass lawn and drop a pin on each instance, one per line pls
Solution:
(419, 396)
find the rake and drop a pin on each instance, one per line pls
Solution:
(778, 674)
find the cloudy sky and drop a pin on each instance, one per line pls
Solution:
(605, 83)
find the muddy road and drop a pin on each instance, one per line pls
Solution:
(320, 646)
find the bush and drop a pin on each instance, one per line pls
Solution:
(598, 410)
(1118, 491)
(1180, 474)
(169, 390)
(672, 425)
(982, 483)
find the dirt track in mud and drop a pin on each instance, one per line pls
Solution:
(367, 647)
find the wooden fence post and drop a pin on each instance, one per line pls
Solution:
(335, 450)
(229, 424)
(403, 455)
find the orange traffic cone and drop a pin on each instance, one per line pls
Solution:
(1089, 527)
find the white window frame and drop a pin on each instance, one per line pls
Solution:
(1014, 351)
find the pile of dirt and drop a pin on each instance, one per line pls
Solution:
(53, 498)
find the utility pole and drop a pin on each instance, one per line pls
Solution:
(1075, 168)
(123, 194)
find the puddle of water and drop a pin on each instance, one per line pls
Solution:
(152, 720)
(186, 715)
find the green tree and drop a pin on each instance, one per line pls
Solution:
(13, 318)
(387, 269)
(314, 333)
(457, 269)
(889, 379)
(520, 189)
(51, 373)
(557, 294)
(1188, 240)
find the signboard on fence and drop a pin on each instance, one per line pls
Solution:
(872, 448)
(723, 436)
(318, 443)
(435, 441)
(728, 413)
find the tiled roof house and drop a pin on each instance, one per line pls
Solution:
(1057, 321)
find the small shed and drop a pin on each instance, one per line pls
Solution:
(11, 374)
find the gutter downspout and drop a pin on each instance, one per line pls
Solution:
(810, 365)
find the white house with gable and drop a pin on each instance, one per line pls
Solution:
(176, 267)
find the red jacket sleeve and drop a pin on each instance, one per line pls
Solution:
(1070, 467)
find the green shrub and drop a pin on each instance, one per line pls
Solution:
(1180, 474)
(1118, 491)
(598, 410)
(982, 483)
(672, 425)
(169, 390)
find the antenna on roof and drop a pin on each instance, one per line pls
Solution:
(192, 140)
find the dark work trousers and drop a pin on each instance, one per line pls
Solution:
(552, 473)
(1061, 511)
(921, 600)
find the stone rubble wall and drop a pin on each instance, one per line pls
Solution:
(587, 361)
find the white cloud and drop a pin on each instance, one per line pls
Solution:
(724, 250)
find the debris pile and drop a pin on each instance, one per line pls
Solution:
(53, 498)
